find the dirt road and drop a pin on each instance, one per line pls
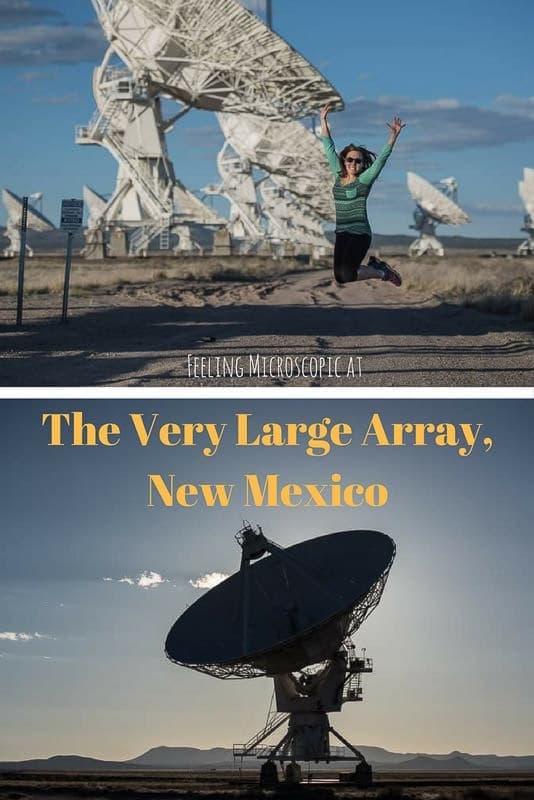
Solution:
(272, 333)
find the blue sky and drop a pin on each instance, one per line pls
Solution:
(452, 638)
(460, 75)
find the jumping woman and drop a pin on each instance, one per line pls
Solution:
(355, 171)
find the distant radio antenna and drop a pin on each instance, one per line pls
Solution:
(434, 206)
(209, 54)
(526, 192)
(283, 151)
(36, 222)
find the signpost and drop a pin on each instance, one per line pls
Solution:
(22, 257)
(71, 222)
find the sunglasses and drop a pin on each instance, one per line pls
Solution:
(350, 160)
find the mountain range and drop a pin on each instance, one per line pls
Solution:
(54, 241)
(169, 758)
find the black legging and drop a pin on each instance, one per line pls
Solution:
(349, 252)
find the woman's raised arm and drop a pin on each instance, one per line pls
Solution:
(396, 126)
(328, 144)
(325, 129)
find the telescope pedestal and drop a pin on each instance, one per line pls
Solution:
(308, 739)
(13, 249)
(303, 700)
(426, 244)
(526, 248)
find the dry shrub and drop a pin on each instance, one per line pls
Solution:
(496, 286)
(501, 285)
(45, 275)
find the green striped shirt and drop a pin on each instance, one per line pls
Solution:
(350, 199)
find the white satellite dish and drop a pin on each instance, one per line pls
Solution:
(290, 153)
(291, 224)
(237, 185)
(36, 222)
(297, 197)
(95, 205)
(208, 54)
(36, 199)
(434, 206)
(526, 192)
(214, 55)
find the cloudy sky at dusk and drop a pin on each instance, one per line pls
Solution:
(92, 579)
(460, 76)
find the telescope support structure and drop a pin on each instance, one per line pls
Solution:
(149, 201)
(427, 241)
(303, 698)
(526, 248)
(15, 244)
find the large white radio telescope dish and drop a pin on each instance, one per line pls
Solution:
(433, 207)
(95, 205)
(291, 154)
(209, 54)
(296, 197)
(434, 203)
(215, 55)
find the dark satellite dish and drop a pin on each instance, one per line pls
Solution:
(290, 614)
(288, 610)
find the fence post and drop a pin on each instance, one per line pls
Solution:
(22, 259)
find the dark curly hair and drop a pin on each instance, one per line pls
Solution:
(367, 155)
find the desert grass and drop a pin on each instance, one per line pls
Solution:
(493, 285)
(501, 285)
(45, 275)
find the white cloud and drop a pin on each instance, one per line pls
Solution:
(149, 580)
(209, 580)
(145, 580)
(441, 103)
(520, 105)
(497, 208)
(11, 636)
(438, 124)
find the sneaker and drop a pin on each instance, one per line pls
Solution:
(391, 275)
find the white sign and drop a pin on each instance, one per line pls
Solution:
(71, 215)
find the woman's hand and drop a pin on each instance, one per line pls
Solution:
(325, 130)
(396, 126)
